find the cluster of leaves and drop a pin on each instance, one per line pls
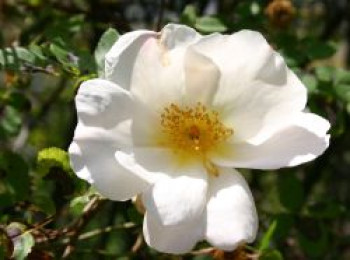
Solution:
(46, 212)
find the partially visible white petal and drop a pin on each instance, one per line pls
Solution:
(78, 164)
(158, 73)
(231, 213)
(202, 77)
(256, 88)
(153, 164)
(175, 239)
(102, 103)
(302, 141)
(94, 161)
(179, 199)
(121, 57)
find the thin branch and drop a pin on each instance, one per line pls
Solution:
(138, 243)
(88, 212)
(100, 231)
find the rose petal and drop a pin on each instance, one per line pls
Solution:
(179, 199)
(202, 77)
(175, 239)
(121, 57)
(301, 142)
(256, 87)
(94, 161)
(231, 214)
(158, 73)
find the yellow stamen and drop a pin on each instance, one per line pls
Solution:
(193, 132)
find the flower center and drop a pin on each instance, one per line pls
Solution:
(193, 130)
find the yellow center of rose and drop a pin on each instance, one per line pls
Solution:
(193, 131)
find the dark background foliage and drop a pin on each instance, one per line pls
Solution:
(49, 47)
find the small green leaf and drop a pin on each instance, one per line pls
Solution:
(342, 76)
(108, 38)
(37, 51)
(208, 24)
(310, 82)
(10, 122)
(319, 50)
(13, 57)
(271, 255)
(53, 157)
(325, 73)
(189, 15)
(343, 91)
(265, 241)
(23, 246)
(67, 59)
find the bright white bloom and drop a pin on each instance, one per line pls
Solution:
(175, 114)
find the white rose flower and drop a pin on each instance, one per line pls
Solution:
(175, 114)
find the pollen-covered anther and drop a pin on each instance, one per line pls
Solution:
(194, 130)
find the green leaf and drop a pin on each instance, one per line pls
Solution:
(209, 24)
(78, 203)
(343, 91)
(342, 76)
(53, 157)
(13, 57)
(108, 38)
(290, 191)
(265, 241)
(319, 50)
(23, 246)
(189, 15)
(310, 82)
(67, 59)
(37, 51)
(325, 73)
(271, 255)
(10, 122)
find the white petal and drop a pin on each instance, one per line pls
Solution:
(256, 87)
(175, 239)
(202, 77)
(231, 214)
(178, 199)
(121, 57)
(102, 103)
(94, 161)
(152, 164)
(301, 142)
(158, 73)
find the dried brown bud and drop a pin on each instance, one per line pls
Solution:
(280, 12)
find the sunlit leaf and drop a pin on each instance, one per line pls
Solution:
(208, 24)
(265, 241)
(108, 38)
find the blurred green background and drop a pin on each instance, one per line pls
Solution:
(49, 47)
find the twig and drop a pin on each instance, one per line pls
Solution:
(100, 231)
(88, 212)
(138, 243)
(203, 251)
(160, 15)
